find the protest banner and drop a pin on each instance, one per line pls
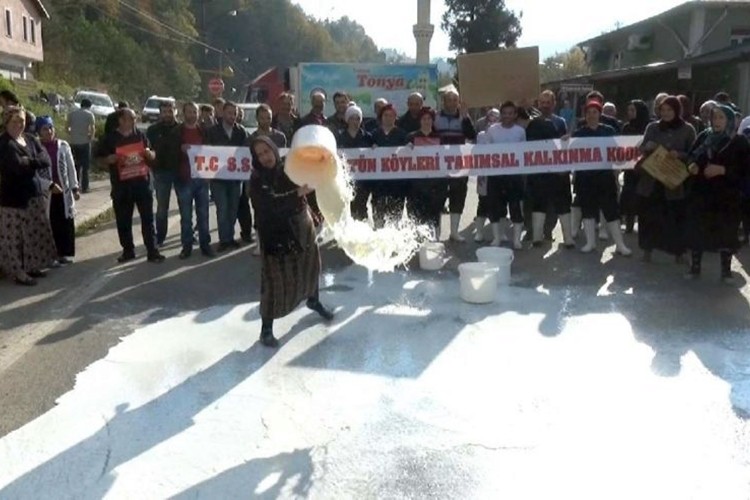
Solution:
(595, 153)
(220, 162)
(490, 78)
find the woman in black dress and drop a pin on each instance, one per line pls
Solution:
(426, 196)
(26, 243)
(661, 211)
(291, 258)
(721, 159)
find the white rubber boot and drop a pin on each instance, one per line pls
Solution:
(616, 233)
(479, 227)
(517, 233)
(575, 221)
(589, 229)
(455, 223)
(497, 234)
(568, 241)
(537, 228)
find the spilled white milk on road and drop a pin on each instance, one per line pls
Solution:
(408, 393)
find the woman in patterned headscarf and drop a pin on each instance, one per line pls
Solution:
(291, 258)
(720, 162)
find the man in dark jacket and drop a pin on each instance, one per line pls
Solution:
(226, 193)
(126, 152)
(165, 175)
(455, 127)
(409, 121)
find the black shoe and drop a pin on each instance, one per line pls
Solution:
(267, 338)
(223, 247)
(126, 256)
(186, 253)
(235, 244)
(27, 281)
(247, 238)
(37, 274)
(64, 261)
(155, 257)
(537, 244)
(319, 308)
(207, 252)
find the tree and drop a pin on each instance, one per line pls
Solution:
(564, 65)
(481, 25)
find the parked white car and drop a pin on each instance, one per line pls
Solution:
(150, 112)
(101, 104)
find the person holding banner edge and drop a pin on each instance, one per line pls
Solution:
(190, 192)
(455, 127)
(426, 199)
(597, 189)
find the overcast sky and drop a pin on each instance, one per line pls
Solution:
(552, 28)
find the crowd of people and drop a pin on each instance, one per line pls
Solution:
(39, 183)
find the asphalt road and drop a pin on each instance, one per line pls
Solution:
(52, 333)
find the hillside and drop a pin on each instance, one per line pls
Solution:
(135, 48)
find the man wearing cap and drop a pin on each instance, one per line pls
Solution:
(455, 127)
(488, 120)
(409, 121)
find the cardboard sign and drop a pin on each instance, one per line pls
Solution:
(132, 164)
(661, 166)
(490, 78)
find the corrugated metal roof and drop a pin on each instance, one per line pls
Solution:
(674, 10)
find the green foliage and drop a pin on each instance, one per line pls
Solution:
(564, 65)
(480, 25)
(106, 45)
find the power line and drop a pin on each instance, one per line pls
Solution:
(168, 27)
(187, 37)
(135, 26)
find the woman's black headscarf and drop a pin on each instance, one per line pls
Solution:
(642, 116)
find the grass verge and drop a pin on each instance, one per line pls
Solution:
(92, 225)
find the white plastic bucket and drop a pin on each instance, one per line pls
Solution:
(478, 282)
(502, 258)
(432, 256)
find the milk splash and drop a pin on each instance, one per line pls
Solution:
(313, 161)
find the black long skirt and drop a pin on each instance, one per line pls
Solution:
(63, 228)
(661, 223)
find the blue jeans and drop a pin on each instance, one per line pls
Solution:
(194, 190)
(164, 181)
(227, 199)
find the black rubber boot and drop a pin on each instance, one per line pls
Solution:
(266, 334)
(315, 304)
(695, 265)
